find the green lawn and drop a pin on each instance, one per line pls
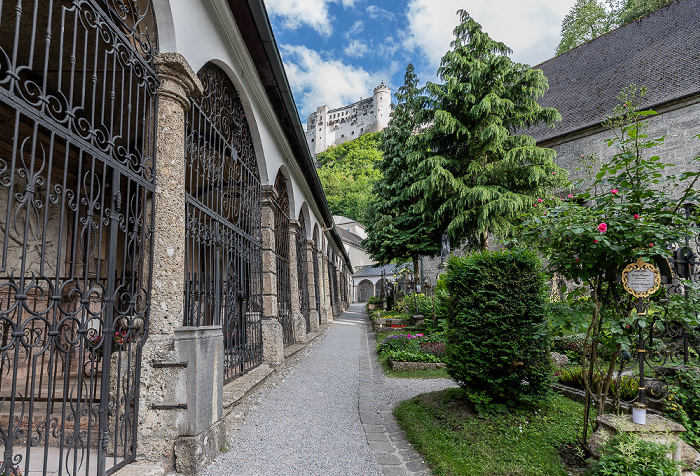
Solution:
(454, 441)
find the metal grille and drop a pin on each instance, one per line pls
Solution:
(317, 287)
(77, 130)
(302, 273)
(223, 257)
(332, 285)
(284, 292)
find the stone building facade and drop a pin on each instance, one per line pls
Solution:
(660, 51)
(328, 127)
(165, 238)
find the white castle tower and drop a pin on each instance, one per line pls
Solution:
(328, 127)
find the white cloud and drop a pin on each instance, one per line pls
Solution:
(317, 80)
(356, 49)
(529, 27)
(312, 13)
(377, 13)
(356, 28)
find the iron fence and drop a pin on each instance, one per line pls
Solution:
(223, 253)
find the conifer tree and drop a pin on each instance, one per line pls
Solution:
(397, 230)
(476, 173)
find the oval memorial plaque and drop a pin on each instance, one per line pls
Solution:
(641, 279)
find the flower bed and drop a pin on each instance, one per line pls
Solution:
(401, 366)
(413, 348)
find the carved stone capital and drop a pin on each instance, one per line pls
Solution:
(178, 82)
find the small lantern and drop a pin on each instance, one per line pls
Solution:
(639, 413)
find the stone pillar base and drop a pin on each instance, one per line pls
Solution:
(194, 453)
(299, 328)
(314, 321)
(273, 343)
(203, 350)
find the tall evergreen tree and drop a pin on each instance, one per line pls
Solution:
(397, 230)
(476, 173)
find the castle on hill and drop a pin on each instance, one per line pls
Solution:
(328, 127)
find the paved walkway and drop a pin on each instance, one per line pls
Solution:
(326, 412)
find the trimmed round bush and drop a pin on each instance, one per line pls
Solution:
(497, 345)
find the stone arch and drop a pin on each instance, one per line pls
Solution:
(223, 253)
(365, 290)
(315, 237)
(249, 114)
(281, 208)
(283, 174)
(167, 42)
(304, 212)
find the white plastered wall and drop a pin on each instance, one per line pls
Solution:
(205, 30)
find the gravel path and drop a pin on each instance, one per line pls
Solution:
(326, 412)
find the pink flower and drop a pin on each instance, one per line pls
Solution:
(578, 259)
(636, 217)
(571, 195)
(614, 191)
(535, 205)
(595, 241)
(651, 244)
(602, 227)
(539, 200)
(554, 173)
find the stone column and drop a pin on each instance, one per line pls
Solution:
(163, 391)
(273, 342)
(298, 319)
(339, 298)
(311, 284)
(327, 292)
(323, 285)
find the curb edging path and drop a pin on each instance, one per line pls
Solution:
(387, 441)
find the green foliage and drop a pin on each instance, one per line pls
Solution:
(374, 300)
(683, 403)
(419, 303)
(586, 20)
(498, 347)
(348, 175)
(409, 356)
(453, 440)
(625, 455)
(475, 176)
(569, 345)
(397, 230)
(573, 377)
(627, 211)
(589, 19)
(633, 9)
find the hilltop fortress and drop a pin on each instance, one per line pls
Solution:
(328, 127)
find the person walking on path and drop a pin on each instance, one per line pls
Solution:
(327, 412)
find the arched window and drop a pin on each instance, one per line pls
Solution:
(223, 255)
(284, 292)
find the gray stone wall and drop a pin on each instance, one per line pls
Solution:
(679, 123)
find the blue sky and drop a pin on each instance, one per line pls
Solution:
(337, 51)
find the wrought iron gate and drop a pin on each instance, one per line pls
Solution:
(77, 132)
(302, 273)
(284, 292)
(223, 257)
(317, 287)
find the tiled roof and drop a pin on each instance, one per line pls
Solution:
(376, 270)
(660, 51)
(350, 237)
